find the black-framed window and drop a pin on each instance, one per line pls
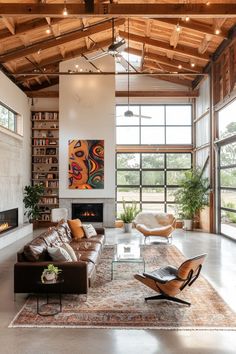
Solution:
(227, 189)
(167, 124)
(8, 118)
(150, 179)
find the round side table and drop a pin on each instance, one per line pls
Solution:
(49, 288)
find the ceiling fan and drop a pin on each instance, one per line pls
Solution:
(115, 48)
(129, 113)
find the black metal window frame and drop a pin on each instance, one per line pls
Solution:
(227, 141)
(140, 186)
(15, 118)
(140, 126)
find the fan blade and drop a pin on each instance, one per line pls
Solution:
(141, 116)
(98, 56)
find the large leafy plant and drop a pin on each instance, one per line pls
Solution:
(32, 195)
(129, 213)
(192, 195)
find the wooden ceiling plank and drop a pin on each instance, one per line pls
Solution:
(56, 59)
(29, 26)
(182, 50)
(68, 37)
(199, 10)
(194, 26)
(172, 79)
(10, 24)
(165, 60)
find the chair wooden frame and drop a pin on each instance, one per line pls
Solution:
(174, 281)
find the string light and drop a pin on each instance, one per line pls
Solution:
(192, 65)
(65, 12)
(48, 30)
(217, 31)
(177, 28)
(179, 66)
(187, 18)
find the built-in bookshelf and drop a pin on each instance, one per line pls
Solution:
(45, 168)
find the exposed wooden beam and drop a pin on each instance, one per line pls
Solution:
(182, 50)
(100, 9)
(68, 37)
(165, 60)
(53, 81)
(178, 93)
(190, 93)
(28, 26)
(194, 26)
(173, 79)
(166, 68)
(42, 94)
(52, 62)
(10, 24)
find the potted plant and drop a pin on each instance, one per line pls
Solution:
(128, 215)
(32, 195)
(50, 273)
(192, 196)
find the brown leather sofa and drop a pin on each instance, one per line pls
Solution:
(78, 276)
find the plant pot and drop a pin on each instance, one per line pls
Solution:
(50, 277)
(188, 224)
(128, 227)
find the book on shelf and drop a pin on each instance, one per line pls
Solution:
(45, 116)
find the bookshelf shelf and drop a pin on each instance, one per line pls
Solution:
(45, 144)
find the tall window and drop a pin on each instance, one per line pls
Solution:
(166, 124)
(227, 169)
(150, 179)
(8, 118)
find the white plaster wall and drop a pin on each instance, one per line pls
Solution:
(43, 104)
(87, 107)
(15, 151)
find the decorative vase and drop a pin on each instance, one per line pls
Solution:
(128, 227)
(188, 224)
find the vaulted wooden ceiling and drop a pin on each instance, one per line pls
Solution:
(177, 37)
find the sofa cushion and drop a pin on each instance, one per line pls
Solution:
(36, 250)
(64, 224)
(51, 237)
(89, 230)
(86, 246)
(71, 252)
(63, 234)
(59, 254)
(76, 228)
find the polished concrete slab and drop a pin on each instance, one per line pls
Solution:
(219, 269)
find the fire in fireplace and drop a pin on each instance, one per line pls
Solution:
(8, 220)
(92, 212)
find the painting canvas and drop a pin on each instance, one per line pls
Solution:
(86, 164)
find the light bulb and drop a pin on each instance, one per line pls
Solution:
(65, 12)
(48, 30)
(187, 18)
(179, 66)
(217, 31)
(192, 65)
(178, 28)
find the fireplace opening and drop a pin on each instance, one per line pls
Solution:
(8, 220)
(88, 212)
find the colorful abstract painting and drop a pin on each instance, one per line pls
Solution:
(86, 164)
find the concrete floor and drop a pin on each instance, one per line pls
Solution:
(219, 269)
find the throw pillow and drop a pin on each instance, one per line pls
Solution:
(89, 230)
(76, 229)
(70, 250)
(59, 254)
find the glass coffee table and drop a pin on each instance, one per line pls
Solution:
(129, 255)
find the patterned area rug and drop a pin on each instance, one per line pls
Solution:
(119, 303)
